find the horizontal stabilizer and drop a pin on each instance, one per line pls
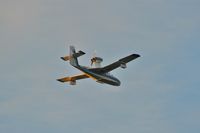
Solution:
(66, 58)
(78, 54)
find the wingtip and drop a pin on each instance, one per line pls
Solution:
(136, 55)
(60, 80)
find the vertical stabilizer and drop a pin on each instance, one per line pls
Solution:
(73, 57)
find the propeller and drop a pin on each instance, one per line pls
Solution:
(93, 57)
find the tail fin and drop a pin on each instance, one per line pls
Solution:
(73, 58)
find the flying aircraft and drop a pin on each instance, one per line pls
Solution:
(98, 73)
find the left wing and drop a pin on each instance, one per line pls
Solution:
(73, 78)
(120, 63)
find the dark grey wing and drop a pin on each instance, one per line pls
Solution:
(122, 62)
(73, 78)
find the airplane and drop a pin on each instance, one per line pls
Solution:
(98, 73)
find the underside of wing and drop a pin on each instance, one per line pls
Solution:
(120, 63)
(73, 79)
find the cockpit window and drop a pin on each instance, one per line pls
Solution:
(109, 74)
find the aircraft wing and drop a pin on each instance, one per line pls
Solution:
(120, 63)
(73, 78)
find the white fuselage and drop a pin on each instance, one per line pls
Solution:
(100, 77)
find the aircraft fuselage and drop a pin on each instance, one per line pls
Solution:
(100, 77)
(98, 73)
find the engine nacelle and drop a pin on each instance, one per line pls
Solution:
(72, 82)
(123, 65)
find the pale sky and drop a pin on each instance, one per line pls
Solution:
(159, 92)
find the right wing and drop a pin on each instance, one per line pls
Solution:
(73, 78)
(120, 63)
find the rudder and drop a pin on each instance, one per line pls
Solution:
(73, 59)
(73, 55)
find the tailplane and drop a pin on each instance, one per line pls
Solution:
(73, 56)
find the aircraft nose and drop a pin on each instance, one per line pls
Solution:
(118, 83)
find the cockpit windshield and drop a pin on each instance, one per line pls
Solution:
(109, 74)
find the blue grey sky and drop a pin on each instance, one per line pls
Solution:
(159, 92)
